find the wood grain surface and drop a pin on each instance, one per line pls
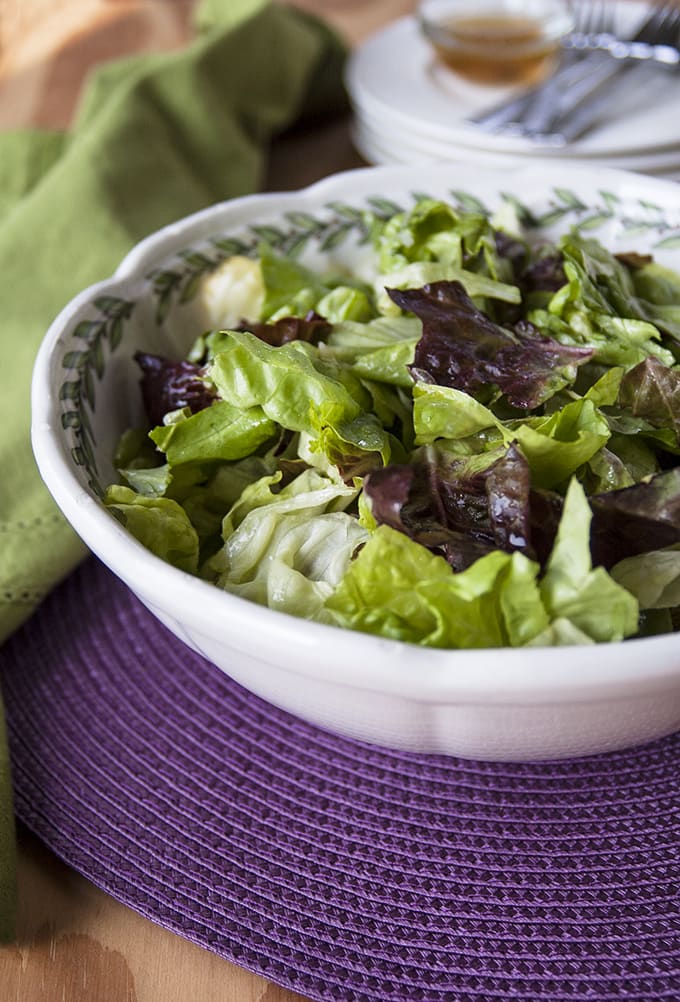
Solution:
(75, 943)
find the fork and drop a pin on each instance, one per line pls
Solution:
(569, 102)
(580, 109)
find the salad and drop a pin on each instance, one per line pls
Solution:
(473, 444)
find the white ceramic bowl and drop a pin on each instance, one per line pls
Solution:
(489, 704)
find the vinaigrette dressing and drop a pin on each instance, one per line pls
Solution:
(494, 48)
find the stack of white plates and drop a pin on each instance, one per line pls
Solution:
(409, 108)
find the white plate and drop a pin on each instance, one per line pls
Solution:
(494, 704)
(395, 75)
(370, 138)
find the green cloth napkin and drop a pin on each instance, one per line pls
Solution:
(155, 137)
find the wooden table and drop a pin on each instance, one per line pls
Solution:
(76, 944)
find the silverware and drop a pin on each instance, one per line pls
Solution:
(579, 109)
(570, 102)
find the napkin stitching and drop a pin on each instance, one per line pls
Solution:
(23, 523)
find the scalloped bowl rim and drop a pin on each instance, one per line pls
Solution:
(505, 675)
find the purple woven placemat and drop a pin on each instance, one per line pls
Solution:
(342, 871)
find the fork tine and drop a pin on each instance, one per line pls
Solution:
(592, 17)
(662, 25)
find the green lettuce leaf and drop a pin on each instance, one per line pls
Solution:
(396, 588)
(381, 349)
(479, 287)
(572, 590)
(659, 289)
(287, 547)
(654, 577)
(160, 524)
(221, 431)
(295, 393)
(290, 289)
(435, 231)
(599, 307)
(558, 444)
(555, 445)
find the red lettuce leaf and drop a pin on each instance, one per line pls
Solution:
(463, 348)
(543, 274)
(652, 391)
(168, 386)
(311, 328)
(460, 516)
(636, 519)
(626, 522)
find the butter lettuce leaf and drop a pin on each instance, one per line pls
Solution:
(573, 590)
(218, 432)
(160, 524)
(295, 390)
(398, 589)
(600, 306)
(288, 546)
(555, 445)
(436, 231)
(653, 577)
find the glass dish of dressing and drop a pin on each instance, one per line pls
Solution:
(496, 42)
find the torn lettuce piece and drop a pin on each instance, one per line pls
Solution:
(220, 432)
(231, 292)
(653, 577)
(283, 381)
(572, 590)
(169, 386)
(350, 340)
(345, 303)
(381, 349)
(636, 519)
(297, 394)
(159, 524)
(396, 588)
(206, 501)
(436, 231)
(445, 412)
(419, 274)
(459, 509)
(652, 391)
(605, 471)
(560, 633)
(659, 288)
(390, 364)
(555, 446)
(463, 348)
(600, 308)
(290, 289)
(288, 547)
(354, 446)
